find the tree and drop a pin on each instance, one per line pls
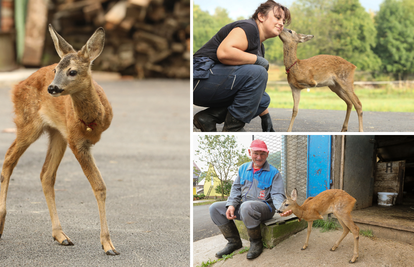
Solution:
(353, 32)
(395, 38)
(227, 188)
(206, 26)
(223, 154)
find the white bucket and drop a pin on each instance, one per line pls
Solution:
(386, 199)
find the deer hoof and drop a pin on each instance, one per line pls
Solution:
(353, 260)
(67, 243)
(112, 252)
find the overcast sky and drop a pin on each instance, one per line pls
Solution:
(246, 8)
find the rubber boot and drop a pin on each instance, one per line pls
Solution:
(207, 119)
(256, 244)
(267, 125)
(232, 235)
(231, 124)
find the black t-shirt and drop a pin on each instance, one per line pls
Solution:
(253, 38)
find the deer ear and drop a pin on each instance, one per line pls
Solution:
(294, 194)
(62, 47)
(93, 48)
(304, 38)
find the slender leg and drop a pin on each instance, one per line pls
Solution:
(307, 235)
(355, 232)
(13, 155)
(55, 152)
(296, 99)
(81, 150)
(349, 90)
(340, 92)
(344, 233)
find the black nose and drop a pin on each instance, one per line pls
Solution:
(54, 89)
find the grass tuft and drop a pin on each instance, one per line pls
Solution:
(327, 225)
(368, 233)
(225, 257)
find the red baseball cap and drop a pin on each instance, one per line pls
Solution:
(259, 145)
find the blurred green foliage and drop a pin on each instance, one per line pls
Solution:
(381, 43)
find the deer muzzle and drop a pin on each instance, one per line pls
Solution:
(54, 90)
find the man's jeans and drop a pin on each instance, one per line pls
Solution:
(252, 213)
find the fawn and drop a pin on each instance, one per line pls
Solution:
(322, 70)
(64, 101)
(335, 201)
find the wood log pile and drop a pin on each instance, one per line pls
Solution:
(144, 38)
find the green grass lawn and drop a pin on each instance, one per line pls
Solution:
(386, 98)
(382, 99)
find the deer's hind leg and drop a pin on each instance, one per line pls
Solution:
(55, 152)
(348, 225)
(338, 90)
(348, 89)
(25, 136)
(344, 233)
(355, 232)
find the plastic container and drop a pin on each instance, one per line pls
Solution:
(386, 198)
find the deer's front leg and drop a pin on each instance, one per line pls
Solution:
(296, 99)
(84, 156)
(307, 235)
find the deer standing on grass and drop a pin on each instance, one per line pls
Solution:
(322, 70)
(64, 101)
(335, 201)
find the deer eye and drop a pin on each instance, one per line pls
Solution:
(73, 73)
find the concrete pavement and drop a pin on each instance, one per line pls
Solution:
(145, 162)
(372, 252)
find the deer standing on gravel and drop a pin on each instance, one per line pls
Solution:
(335, 201)
(322, 70)
(64, 101)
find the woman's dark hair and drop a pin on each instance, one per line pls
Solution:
(272, 5)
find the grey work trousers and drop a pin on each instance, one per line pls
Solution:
(252, 213)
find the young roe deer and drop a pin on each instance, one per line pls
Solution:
(322, 70)
(335, 201)
(64, 101)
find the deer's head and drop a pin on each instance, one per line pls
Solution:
(289, 202)
(289, 36)
(73, 73)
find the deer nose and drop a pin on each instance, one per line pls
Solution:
(54, 89)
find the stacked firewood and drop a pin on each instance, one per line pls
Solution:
(144, 38)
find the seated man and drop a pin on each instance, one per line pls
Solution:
(255, 195)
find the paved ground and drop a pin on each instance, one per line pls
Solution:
(372, 252)
(203, 226)
(144, 159)
(309, 120)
